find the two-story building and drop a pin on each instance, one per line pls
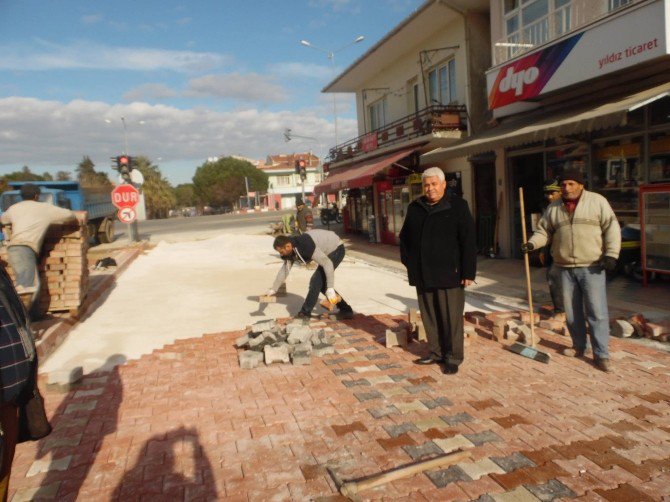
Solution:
(285, 184)
(573, 84)
(419, 88)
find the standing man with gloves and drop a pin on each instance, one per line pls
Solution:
(585, 242)
(326, 249)
(438, 248)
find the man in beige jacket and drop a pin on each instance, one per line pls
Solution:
(585, 242)
(30, 220)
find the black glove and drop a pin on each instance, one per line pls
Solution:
(527, 247)
(609, 263)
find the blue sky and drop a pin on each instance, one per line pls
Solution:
(191, 79)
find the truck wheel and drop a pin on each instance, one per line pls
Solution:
(106, 231)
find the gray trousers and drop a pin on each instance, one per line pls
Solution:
(442, 316)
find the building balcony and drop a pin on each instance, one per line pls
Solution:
(566, 19)
(435, 121)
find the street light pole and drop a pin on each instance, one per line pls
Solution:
(331, 56)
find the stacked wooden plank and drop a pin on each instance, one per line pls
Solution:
(63, 268)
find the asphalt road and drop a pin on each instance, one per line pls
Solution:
(182, 228)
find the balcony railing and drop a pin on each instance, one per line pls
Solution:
(430, 120)
(565, 19)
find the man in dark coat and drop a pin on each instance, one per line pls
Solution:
(438, 248)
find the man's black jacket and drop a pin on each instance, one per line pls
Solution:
(438, 243)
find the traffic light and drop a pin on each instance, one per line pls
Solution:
(302, 165)
(124, 164)
(297, 166)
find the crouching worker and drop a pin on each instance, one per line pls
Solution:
(327, 250)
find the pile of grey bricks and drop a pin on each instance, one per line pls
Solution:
(269, 342)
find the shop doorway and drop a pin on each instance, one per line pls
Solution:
(386, 227)
(526, 171)
(485, 206)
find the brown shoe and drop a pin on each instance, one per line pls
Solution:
(570, 352)
(603, 364)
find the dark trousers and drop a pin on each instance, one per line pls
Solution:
(554, 282)
(442, 316)
(317, 284)
(9, 420)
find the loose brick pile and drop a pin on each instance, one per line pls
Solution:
(270, 342)
(63, 268)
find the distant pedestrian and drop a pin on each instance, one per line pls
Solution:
(552, 192)
(438, 248)
(327, 250)
(585, 241)
(304, 219)
(30, 220)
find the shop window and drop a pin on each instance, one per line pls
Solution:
(617, 173)
(442, 84)
(659, 157)
(566, 157)
(659, 112)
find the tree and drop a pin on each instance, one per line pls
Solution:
(46, 176)
(185, 194)
(63, 176)
(159, 196)
(221, 183)
(25, 174)
(89, 177)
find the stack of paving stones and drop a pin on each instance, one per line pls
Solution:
(63, 268)
(187, 423)
(270, 342)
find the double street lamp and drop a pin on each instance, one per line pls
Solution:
(331, 56)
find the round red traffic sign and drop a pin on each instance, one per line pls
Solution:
(127, 215)
(125, 196)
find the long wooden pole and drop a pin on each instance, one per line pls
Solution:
(351, 488)
(527, 266)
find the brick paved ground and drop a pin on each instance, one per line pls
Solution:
(187, 423)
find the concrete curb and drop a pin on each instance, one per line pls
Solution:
(55, 334)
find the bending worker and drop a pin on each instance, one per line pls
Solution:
(30, 220)
(327, 250)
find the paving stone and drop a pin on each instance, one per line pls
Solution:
(265, 325)
(323, 350)
(341, 430)
(429, 423)
(624, 493)
(396, 442)
(443, 477)
(358, 340)
(481, 468)
(344, 371)
(337, 360)
(301, 358)
(376, 380)
(458, 442)
(551, 490)
(410, 407)
(427, 449)
(250, 359)
(390, 366)
(367, 348)
(368, 396)
(87, 406)
(65, 378)
(431, 404)
(416, 389)
(365, 369)
(514, 461)
(485, 498)
(639, 412)
(484, 404)
(276, 354)
(396, 338)
(377, 357)
(242, 341)
(394, 391)
(398, 378)
(47, 465)
(622, 329)
(299, 334)
(88, 393)
(459, 418)
(510, 421)
(520, 494)
(383, 412)
(47, 492)
(398, 430)
(480, 438)
(355, 383)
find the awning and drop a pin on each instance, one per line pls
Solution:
(360, 174)
(538, 128)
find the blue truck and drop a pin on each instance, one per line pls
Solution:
(96, 201)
